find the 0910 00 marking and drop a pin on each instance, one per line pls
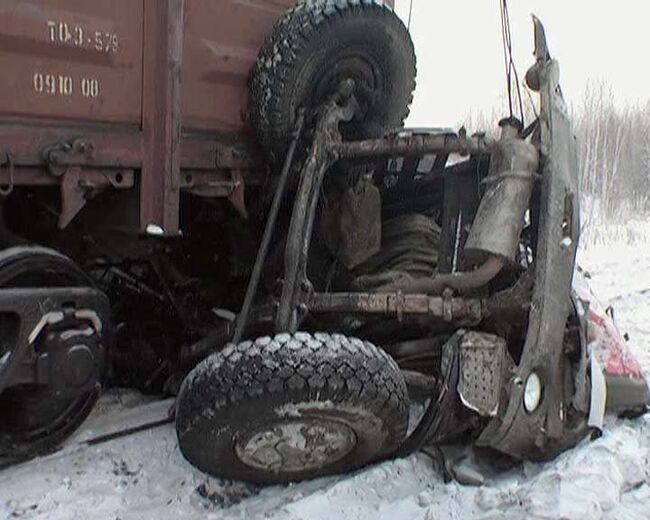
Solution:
(63, 85)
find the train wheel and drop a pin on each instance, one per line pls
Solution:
(33, 419)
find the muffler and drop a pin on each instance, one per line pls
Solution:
(500, 217)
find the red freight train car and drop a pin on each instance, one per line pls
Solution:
(147, 94)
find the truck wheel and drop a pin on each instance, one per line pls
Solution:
(292, 407)
(315, 46)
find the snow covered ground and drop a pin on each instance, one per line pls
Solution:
(144, 476)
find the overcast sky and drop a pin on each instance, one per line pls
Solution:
(460, 58)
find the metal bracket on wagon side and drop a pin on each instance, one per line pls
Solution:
(6, 187)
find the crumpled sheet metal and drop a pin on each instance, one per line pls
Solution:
(483, 358)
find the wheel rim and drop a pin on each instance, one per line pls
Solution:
(296, 445)
(353, 66)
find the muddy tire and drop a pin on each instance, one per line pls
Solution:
(315, 46)
(290, 408)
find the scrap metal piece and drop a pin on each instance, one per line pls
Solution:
(460, 282)
(73, 196)
(445, 418)
(351, 223)
(483, 358)
(542, 54)
(237, 196)
(321, 156)
(461, 311)
(598, 395)
(61, 156)
(238, 156)
(6, 187)
(253, 282)
(419, 385)
(416, 145)
(466, 475)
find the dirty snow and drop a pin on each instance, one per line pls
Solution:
(144, 476)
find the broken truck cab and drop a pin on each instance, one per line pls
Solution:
(216, 199)
(498, 325)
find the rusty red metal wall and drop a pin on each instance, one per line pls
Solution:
(72, 60)
(221, 41)
(83, 61)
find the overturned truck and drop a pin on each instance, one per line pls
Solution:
(217, 200)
